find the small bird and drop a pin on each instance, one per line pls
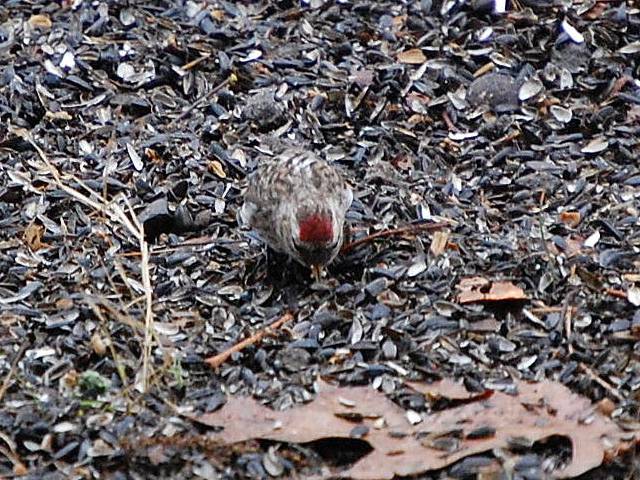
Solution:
(297, 202)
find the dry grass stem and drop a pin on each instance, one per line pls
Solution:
(130, 222)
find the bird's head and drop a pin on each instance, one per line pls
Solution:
(316, 238)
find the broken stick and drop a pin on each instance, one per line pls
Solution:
(394, 232)
(217, 360)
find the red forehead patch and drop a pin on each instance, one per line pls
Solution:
(316, 229)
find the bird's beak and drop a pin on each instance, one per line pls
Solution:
(316, 272)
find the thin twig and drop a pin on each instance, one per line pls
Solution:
(197, 61)
(394, 232)
(217, 360)
(614, 292)
(206, 98)
(507, 138)
(600, 381)
(484, 69)
(567, 316)
(19, 468)
(7, 380)
(447, 120)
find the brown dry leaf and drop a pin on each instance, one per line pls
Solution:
(606, 407)
(573, 246)
(592, 280)
(479, 289)
(413, 56)
(402, 161)
(596, 11)
(399, 22)
(70, 379)
(217, 14)
(538, 411)
(62, 115)
(98, 345)
(20, 469)
(41, 21)
(64, 304)
(152, 155)
(215, 167)
(32, 236)
(417, 119)
(570, 218)
(439, 242)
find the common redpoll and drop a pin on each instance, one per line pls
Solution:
(297, 203)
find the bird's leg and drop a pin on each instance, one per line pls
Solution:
(316, 272)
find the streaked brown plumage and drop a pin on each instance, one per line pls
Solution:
(297, 203)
